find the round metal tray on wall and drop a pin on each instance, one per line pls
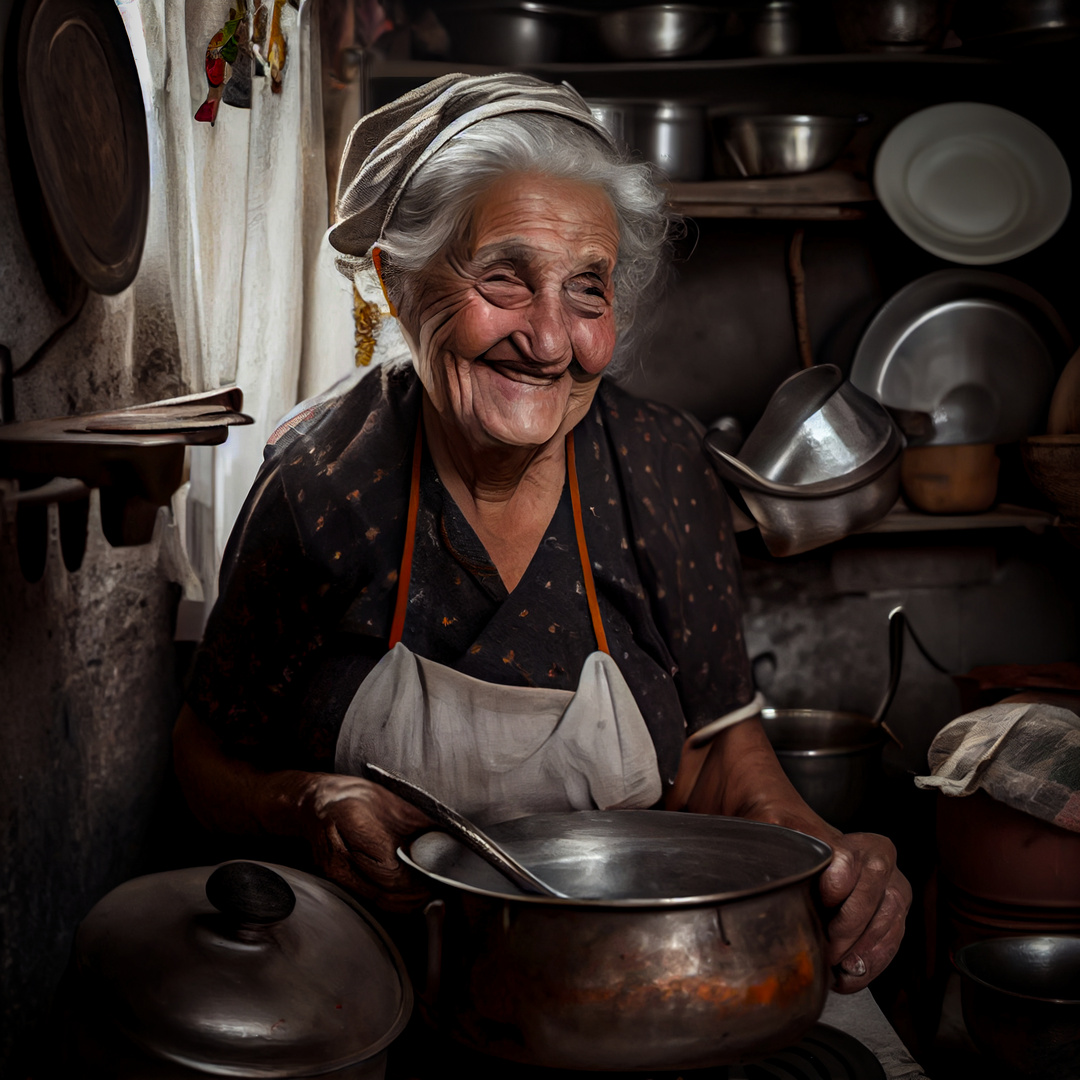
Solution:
(85, 125)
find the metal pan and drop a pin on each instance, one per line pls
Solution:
(963, 356)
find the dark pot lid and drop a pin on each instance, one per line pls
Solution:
(244, 970)
(86, 124)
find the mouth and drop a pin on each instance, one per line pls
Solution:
(531, 374)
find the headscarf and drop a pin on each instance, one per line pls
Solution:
(387, 146)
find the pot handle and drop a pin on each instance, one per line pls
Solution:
(435, 916)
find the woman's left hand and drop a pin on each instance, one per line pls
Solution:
(862, 887)
(870, 899)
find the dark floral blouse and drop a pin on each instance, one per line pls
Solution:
(310, 574)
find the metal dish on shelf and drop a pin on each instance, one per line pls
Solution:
(657, 31)
(505, 32)
(821, 463)
(781, 144)
(973, 183)
(963, 356)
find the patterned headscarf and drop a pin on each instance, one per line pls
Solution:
(387, 146)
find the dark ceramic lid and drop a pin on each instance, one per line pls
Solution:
(244, 970)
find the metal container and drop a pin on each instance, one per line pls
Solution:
(657, 31)
(822, 462)
(1021, 1003)
(781, 144)
(891, 25)
(777, 30)
(504, 32)
(698, 942)
(833, 758)
(249, 970)
(671, 134)
(616, 116)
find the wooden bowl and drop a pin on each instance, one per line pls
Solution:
(1053, 466)
(950, 479)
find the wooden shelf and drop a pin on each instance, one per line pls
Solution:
(827, 195)
(901, 519)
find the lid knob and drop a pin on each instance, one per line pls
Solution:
(250, 893)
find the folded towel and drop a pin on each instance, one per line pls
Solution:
(1022, 754)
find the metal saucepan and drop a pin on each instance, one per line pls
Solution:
(833, 758)
(704, 945)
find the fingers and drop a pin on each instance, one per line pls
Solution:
(873, 898)
(878, 943)
(358, 829)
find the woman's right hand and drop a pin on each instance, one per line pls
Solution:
(354, 828)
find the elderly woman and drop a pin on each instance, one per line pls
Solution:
(490, 569)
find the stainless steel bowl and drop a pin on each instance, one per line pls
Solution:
(1021, 1002)
(657, 31)
(966, 356)
(822, 462)
(781, 144)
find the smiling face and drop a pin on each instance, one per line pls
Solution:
(514, 324)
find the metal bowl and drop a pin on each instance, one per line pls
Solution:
(1021, 1002)
(782, 144)
(962, 356)
(822, 462)
(657, 31)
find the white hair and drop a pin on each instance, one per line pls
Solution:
(525, 142)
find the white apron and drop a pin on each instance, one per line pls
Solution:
(497, 752)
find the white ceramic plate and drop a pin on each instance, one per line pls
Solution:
(973, 183)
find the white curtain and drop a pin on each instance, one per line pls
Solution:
(238, 216)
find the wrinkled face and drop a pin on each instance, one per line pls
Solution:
(514, 324)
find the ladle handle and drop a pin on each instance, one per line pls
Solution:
(461, 829)
(897, 620)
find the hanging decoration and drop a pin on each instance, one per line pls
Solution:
(242, 49)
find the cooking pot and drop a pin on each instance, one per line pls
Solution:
(695, 941)
(248, 970)
(833, 758)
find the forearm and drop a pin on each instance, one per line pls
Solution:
(741, 777)
(233, 796)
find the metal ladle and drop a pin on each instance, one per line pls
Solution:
(462, 829)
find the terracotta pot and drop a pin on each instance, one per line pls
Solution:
(950, 479)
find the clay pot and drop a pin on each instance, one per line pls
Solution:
(950, 479)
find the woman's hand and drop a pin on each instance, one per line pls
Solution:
(866, 894)
(870, 899)
(354, 828)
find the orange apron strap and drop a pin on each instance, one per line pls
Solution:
(583, 551)
(405, 572)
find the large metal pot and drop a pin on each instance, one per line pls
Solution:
(247, 970)
(698, 944)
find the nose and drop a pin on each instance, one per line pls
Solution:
(546, 331)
